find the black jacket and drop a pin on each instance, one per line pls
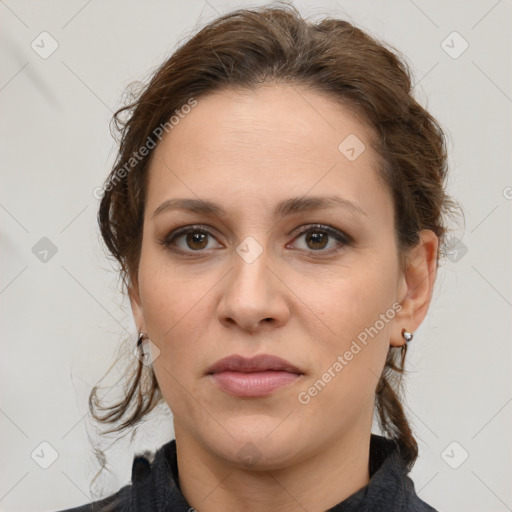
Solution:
(155, 485)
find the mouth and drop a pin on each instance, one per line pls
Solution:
(253, 377)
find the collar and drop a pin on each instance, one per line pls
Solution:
(155, 483)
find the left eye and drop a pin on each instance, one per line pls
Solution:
(317, 238)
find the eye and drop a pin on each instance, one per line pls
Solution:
(193, 239)
(317, 238)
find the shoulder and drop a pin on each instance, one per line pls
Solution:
(418, 505)
(390, 481)
(413, 502)
(149, 479)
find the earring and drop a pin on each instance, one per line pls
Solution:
(407, 335)
(142, 337)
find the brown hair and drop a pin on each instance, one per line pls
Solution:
(243, 49)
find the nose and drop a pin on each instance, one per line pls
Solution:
(254, 296)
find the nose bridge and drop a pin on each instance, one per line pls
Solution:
(250, 272)
(252, 294)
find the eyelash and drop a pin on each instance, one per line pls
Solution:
(341, 237)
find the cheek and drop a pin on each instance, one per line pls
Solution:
(175, 309)
(166, 295)
(354, 298)
(356, 313)
(172, 311)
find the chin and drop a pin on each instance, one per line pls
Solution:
(258, 444)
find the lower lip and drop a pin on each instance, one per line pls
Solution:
(253, 384)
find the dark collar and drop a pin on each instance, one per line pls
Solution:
(155, 483)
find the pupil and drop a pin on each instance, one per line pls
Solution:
(197, 237)
(316, 237)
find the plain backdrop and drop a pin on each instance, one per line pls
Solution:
(63, 318)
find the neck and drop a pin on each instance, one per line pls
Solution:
(317, 483)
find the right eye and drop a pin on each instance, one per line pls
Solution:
(193, 239)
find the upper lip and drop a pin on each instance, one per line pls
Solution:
(259, 363)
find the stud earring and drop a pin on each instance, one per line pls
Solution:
(408, 336)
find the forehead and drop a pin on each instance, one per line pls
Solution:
(276, 116)
(277, 140)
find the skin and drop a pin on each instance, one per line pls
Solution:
(303, 300)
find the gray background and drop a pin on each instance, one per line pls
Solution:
(63, 319)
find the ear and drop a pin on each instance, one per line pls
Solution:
(416, 285)
(135, 302)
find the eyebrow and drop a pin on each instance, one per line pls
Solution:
(283, 208)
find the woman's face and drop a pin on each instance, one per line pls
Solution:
(326, 300)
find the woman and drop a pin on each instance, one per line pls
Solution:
(277, 210)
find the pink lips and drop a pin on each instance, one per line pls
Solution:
(254, 377)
